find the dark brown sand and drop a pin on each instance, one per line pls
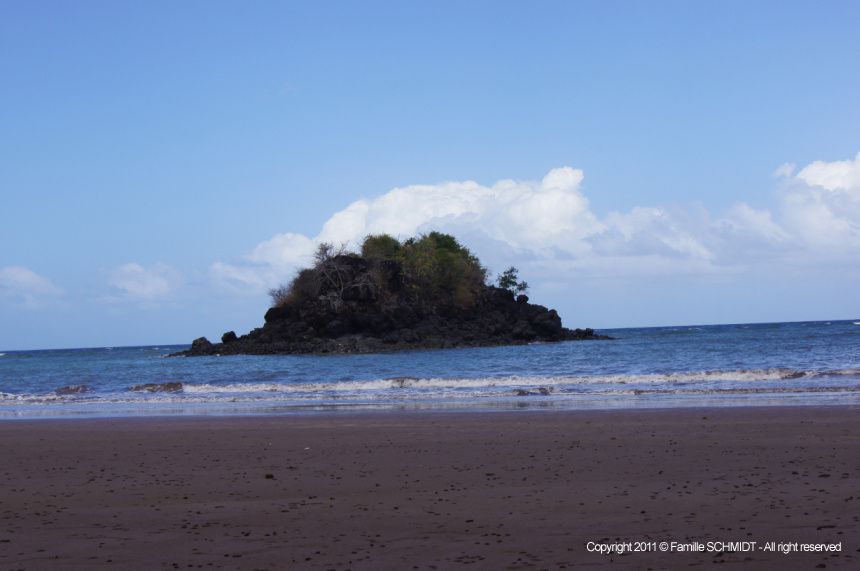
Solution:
(519, 490)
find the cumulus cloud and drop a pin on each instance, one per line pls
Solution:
(133, 282)
(543, 216)
(821, 204)
(25, 288)
(506, 211)
(268, 264)
(833, 176)
(549, 224)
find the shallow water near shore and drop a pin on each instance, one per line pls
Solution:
(717, 365)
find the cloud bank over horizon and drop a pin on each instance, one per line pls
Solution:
(549, 227)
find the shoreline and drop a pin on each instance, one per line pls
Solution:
(494, 490)
(379, 417)
(532, 404)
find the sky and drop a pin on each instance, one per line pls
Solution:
(164, 164)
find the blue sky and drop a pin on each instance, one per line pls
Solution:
(163, 164)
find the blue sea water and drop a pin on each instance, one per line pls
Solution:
(716, 365)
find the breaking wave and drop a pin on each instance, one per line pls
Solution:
(741, 381)
(741, 375)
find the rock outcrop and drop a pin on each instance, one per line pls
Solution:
(426, 292)
(359, 320)
(72, 390)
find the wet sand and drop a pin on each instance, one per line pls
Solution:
(517, 490)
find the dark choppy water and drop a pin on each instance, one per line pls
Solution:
(734, 365)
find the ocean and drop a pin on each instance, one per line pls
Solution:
(769, 364)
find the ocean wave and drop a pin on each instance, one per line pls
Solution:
(405, 388)
(477, 396)
(741, 375)
(166, 387)
(741, 390)
(11, 398)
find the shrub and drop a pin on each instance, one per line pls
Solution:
(306, 285)
(433, 270)
(380, 247)
(280, 295)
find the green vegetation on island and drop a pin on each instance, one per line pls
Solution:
(433, 270)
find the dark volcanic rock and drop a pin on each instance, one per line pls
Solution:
(72, 390)
(201, 345)
(365, 326)
(362, 316)
(541, 391)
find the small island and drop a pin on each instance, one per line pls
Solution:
(427, 292)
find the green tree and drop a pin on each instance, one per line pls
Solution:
(441, 271)
(508, 280)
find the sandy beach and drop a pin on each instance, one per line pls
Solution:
(517, 490)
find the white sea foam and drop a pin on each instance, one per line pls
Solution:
(10, 398)
(475, 395)
(411, 389)
(741, 375)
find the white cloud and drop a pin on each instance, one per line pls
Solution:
(133, 282)
(784, 170)
(837, 175)
(25, 288)
(549, 224)
(821, 205)
(268, 264)
(651, 231)
(746, 232)
(543, 216)
(282, 249)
